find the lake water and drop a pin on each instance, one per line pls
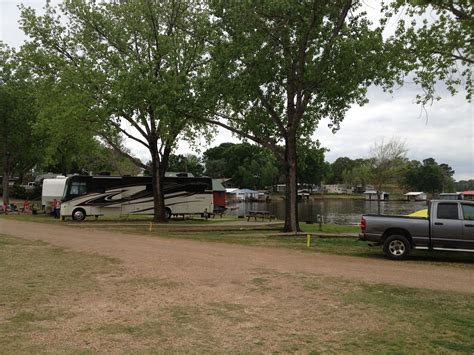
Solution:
(337, 211)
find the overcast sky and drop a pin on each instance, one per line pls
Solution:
(445, 132)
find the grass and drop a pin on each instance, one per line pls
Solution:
(33, 274)
(411, 320)
(329, 228)
(338, 246)
(43, 218)
(41, 310)
(442, 314)
(265, 237)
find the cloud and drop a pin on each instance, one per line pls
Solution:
(444, 131)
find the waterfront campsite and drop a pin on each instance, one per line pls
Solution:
(214, 177)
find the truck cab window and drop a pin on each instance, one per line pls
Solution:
(468, 212)
(447, 211)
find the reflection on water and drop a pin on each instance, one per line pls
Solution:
(340, 211)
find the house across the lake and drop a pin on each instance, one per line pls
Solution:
(337, 189)
(371, 195)
(303, 195)
(241, 194)
(415, 196)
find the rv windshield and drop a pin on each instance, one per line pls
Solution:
(78, 188)
(74, 188)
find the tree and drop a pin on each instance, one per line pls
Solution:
(188, 163)
(281, 66)
(464, 185)
(130, 68)
(359, 175)
(429, 176)
(436, 42)
(246, 165)
(88, 155)
(70, 141)
(312, 169)
(338, 168)
(19, 148)
(448, 180)
(386, 163)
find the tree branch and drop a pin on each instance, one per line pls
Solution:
(267, 144)
(117, 126)
(118, 149)
(273, 115)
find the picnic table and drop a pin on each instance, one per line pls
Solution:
(260, 214)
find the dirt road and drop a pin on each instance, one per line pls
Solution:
(220, 265)
(171, 295)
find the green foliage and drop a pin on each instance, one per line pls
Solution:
(85, 153)
(386, 162)
(287, 55)
(360, 174)
(279, 67)
(338, 167)
(435, 42)
(245, 164)
(121, 62)
(20, 147)
(464, 185)
(349, 171)
(429, 176)
(189, 163)
(253, 166)
(130, 69)
(312, 169)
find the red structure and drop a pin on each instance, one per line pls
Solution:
(468, 195)
(218, 193)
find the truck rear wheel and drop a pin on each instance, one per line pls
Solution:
(397, 247)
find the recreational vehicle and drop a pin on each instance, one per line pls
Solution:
(53, 189)
(133, 195)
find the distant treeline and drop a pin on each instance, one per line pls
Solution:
(252, 166)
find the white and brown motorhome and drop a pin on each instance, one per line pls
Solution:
(133, 195)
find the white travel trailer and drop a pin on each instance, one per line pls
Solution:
(131, 195)
(52, 189)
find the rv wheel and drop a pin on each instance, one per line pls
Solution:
(79, 214)
(167, 213)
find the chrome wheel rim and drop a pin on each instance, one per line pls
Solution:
(396, 247)
(78, 215)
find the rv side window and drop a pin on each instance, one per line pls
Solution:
(78, 188)
(99, 189)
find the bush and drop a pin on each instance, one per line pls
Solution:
(18, 191)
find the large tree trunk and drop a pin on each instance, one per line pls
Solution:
(291, 200)
(158, 195)
(6, 177)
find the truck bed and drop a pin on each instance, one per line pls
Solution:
(379, 225)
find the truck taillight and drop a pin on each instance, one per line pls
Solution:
(363, 224)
